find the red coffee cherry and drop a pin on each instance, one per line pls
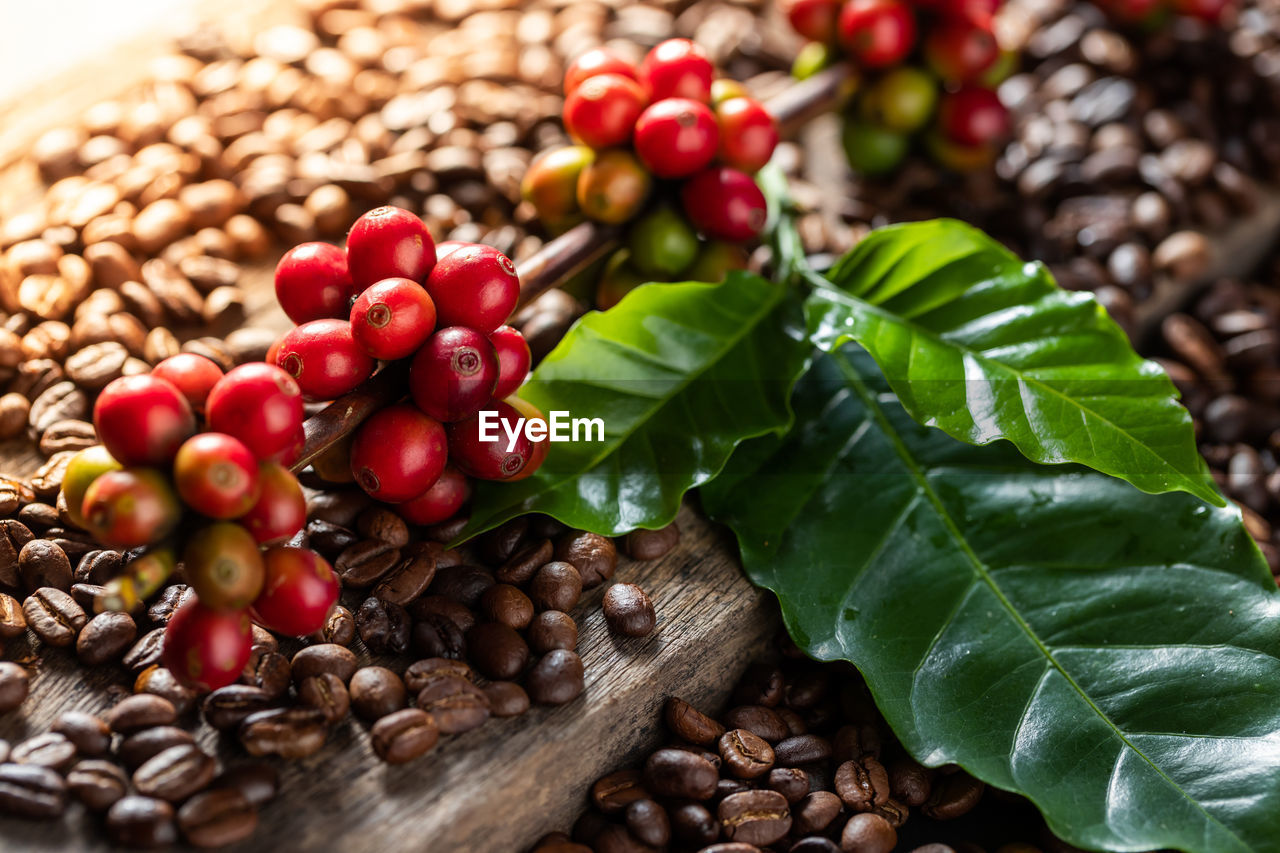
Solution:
(280, 510)
(724, 204)
(223, 565)
(450, 246)
(205, 648)
(530, 412)
(130, 507)
(484, 449)
(474, 286)
(398, 453)
(960, 48)
(216, 475)
(877, 33)
(388, 242)
(393, 318)
(514, 359)
(598, 60)
(677, 68)
(312, 282)
(440, 502)
(1209, 11)
(324, 358)
(748, 134)
(193, 375)
(299, 590)
(973, 116)
(292, 451)
(614, 188)
(813, 19)
(453, 375)
(676, 137)
(603, 110)
(142, 420)
(259, 404)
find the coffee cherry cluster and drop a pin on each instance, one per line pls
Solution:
(1152, 14)
(665, 149)
(220, 501)
(930, 70)
(394, 295)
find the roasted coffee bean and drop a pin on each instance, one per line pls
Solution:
(54, 616)
(506, 698)
(457, 705)
(853, 742)
(14, 410)
(404, 735)
(628, 610)
(375, 692)
(421, 673)
(268, 670)
(146, 652)
(611, 794)
(61, 401)
(791, 782)
(289, 733)
(595, 557)
(39, 516)
(141, 822)
(815, 812)
(796, 725)
(693, 825)
(463, 584)
(171, 598)
(758, 720)
(410, 577)
(802, 749)
(680, 774)
(95, 366)
(378, 522)
(952, 795)
(497, 546)
(329, 539)
(14, 536)
(37, 376)
(755, 817)
(227, 707)
(97, 784)
(556, 586)
(89, 734)
(728, 787)
(862, 784)
(12, 621)
(31, 791)
(105, 637)
(383, 626)
(43, 564)
(497, 650)
(140, 747)
(322, 658)
(257, 781)
(806, 690)
(868, 833)
(688, 723)
(327, 694)
(98, 567)
(438, 605)
(557, 678)
(525, 561)
(745, 755)
(160, 681)
(50, 750)
(652, 544)
(364, 563)
(435, 635)
(176, 773)
(552, 629)
(217, 818)
(134, 713)
(648, 822)
(507, 605)
(618, 839)
(339, 627)
(815, 844)
(909, 782)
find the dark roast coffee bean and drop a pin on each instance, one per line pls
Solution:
(90, 734)
(176, 773)
(556, 678)
(628, 610)
(290, 733)
(87, 595)
(648, 821)
(14, 686)
(506, 698)
(862, 784)
(527, 559)
(339, 627)
(227, 707)
(14, 536)
(404, 735)
(171, 598)
(507, 605)
(438, 636)
(145, 652)
(802, 749)
(729, 787)
(31, 791)
(409, 578)
(140, 747)
(43, 564)
(693, 825)
(383, 626)
(105, 637)
(269, 671)
(375, 692)
(680, 774)
(329, 539)
(159, 681)
(257, 781)
(457, 706)
(618, 839)
(217, 817)
(378, 522)
(755, 817)
(98, 567)
(463, 584)
(688, 723)
(438, 605)
(760, 685)
(853, 742)
(815, 812)
(54, 616)
(868, 833)
(12, 621)
(50, 750)
(953, 795)
(796, 725)
(39, 516)
(141, 822)
(791, 782)
(322, 658)
(497, 546)
(97, 784)
(745, 755)
(815, 844)
(611, 794)
(552, 629)
(909, 781)
(731, 847)
(652, 544)
(806, 690)
(134, 713)
(364, 563)
(327, 694)
(759, 720)
(556, 586)
(421, 673)
(497, 651)
(595, 557)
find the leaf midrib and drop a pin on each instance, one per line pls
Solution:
(1022, 378)
(980, 570)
